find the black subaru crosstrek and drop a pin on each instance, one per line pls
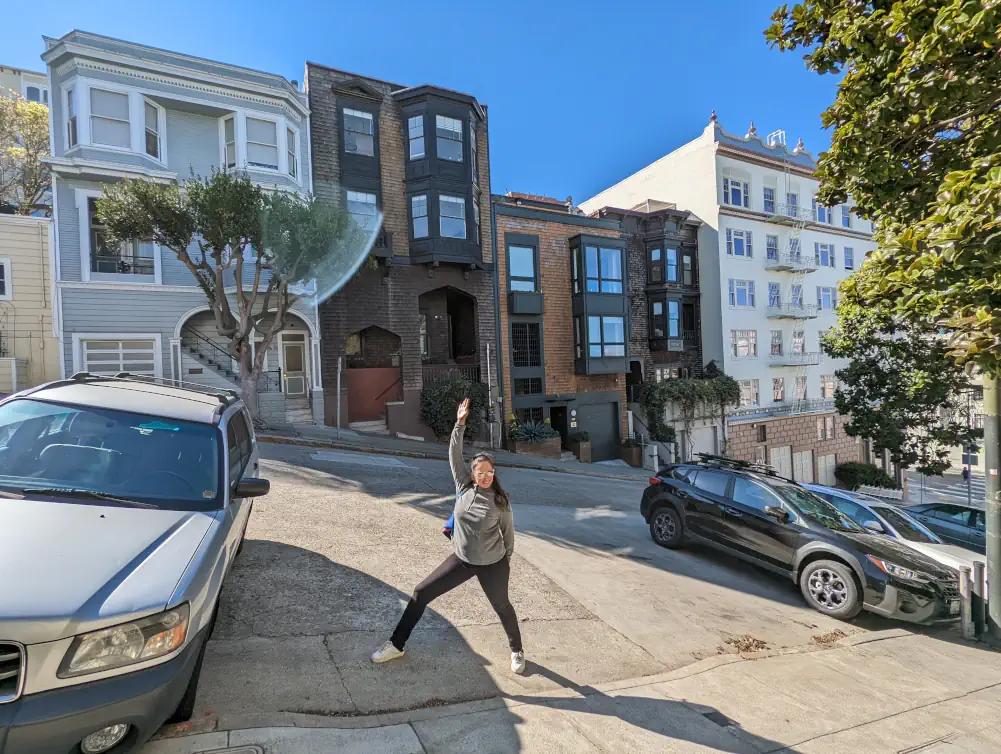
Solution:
(751, 512)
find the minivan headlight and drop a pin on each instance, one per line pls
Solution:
(899, 571)
(126, 644)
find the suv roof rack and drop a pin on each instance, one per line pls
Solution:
(735, 463)
(225, 396)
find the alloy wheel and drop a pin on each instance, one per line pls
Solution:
(828, 588)
(664, 526)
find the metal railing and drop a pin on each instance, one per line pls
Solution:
(791, 311)
(780, 409)
(220, 359)
(113, 263)
(785, 211)
(794, 261)
(433, 372)
(811, 358)
(691, 337)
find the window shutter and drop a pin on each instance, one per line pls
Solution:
(726, 192)
(747, 192)
(747, 235)
(729, 241)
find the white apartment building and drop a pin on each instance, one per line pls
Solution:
(770, 263)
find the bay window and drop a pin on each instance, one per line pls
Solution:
(291, 152)
(262, 143)
(672, 265)
(606, 337)
(665, 319)
(229, 141)
(452, 216)
(655, 264)
(449, 138)
(415, 131)
(152, 129)
(109, 119)
(363, 208)
(419, 215)
(604, 269)
(673, 317)
(71, 131)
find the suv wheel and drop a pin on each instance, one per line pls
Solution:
(665, 527)
(829, 586)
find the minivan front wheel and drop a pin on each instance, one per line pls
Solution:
(665, 527)
(830, 588)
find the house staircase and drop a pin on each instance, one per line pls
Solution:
(298, 411)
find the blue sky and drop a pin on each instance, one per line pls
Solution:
(580, 94)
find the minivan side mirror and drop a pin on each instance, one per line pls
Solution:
(874, 527)
(252, 487)
(780, 514)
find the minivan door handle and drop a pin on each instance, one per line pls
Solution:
(732, 511)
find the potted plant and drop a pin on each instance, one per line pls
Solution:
(632, 453)
(580, 446)
(534, 438)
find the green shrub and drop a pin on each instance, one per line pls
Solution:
(440, 400)
(531, 432)
(582, 436)
(854, 474)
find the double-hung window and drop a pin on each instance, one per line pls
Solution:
(798, 341)
(419, 215)
(152, 129)
(772, 247)
(673, 319)
(743, 343)
(774, 295)
(738, 243)
(821, 213)
(229, 138)
(827, 386)
(686, 270)
(452, 216)
(825, 254)
(792, 204)
(672, 265)
(291, 152)
(71, 133)
(748, 393)
(449, 138)
(476, 217)
(776, 342)
(415, 128)
(5, 292)
(472, 152)
(522, 261)
(801, 388)
(359, 132)
(109, 119)
(796, 295)
(827, 298)
(658, 324)
(604, 270)
(262, 143)
(849, 258)
(735, 193)
(769, 199)
(742, 293)
(846, 216)
(363, 208)
(606, 337)
(655, 264)
(778, 389)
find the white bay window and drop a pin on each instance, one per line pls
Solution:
(262, 143)
(109, 119)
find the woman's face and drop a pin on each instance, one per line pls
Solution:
(483, 474)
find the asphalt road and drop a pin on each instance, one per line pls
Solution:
(334, 551)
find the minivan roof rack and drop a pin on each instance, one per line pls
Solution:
(224, 395)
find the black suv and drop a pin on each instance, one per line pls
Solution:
(751, 512)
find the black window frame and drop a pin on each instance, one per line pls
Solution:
(599, 279)
(411, 138)
(512, 279)
(601, 343)
(373, 117)
(516, 347)
(426, 216)
(461, 140)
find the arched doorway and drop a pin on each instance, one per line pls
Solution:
(372, 358)
(448, 337)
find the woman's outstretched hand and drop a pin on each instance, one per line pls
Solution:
(463, 412)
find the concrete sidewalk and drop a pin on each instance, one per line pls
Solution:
(346, 439)
(889, 691)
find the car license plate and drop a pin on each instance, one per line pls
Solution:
(953, 607)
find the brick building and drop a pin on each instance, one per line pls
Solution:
(425, 308)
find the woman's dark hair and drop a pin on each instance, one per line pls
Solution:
(500, 496)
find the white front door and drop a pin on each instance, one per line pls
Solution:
(825, 469)
(802, 466)
(295, 368)
(781, 461)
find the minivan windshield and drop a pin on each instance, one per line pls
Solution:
(171, 464)
(816, 508)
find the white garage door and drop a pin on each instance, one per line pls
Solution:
(113, 356)
(781, 461)
(802, 466)
(825, 469)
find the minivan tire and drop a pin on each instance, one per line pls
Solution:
(829, 587)
(666, 528)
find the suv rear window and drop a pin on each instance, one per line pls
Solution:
(171, 464)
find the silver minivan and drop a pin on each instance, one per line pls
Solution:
(123, 503)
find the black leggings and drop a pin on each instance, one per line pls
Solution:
(446, 577)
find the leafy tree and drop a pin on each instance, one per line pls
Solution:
(24, 141)
(917, 143)
(902, 389)
(691, 398)
(244, 247)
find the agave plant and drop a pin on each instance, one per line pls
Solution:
(532, 432)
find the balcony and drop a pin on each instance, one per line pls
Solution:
(433, 372)
(754, 413)
(689, 339)
(121, 265)
(810, 359)
(792, 262)
(789, 214)
(791, 311)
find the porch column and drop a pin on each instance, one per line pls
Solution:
(175, 359)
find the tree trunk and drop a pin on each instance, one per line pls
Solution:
(249, 377)
(992, 503)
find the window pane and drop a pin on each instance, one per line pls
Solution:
(452, 221)
(522, 265)
(591, 260)
(449, 141)
(613, 330)
(263, 156)
(611, 264)
(754, 495)
(415, 127)
(594, 330)
(109, 104)
(362, 208)
(262, 131)
(358, 133)
(419, 212)
(114, 133)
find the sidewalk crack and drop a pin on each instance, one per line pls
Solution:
(340, 675)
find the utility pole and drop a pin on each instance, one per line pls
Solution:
(992, 510)
(969, 448)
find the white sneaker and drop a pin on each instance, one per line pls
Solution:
(518, 662)
(387, 652)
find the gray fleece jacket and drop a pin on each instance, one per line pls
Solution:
(483, 533)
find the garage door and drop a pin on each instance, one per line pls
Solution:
(781, 461)
(601, 421)
(113, 356)
(825, 469)
(802, 466)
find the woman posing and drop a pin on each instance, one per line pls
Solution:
(482, 542)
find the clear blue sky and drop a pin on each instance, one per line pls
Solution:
(580, 93)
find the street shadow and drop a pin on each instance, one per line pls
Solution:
(696, 723)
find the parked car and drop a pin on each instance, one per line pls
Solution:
(775, 523)
(962, 525)
(881, 517)
(124, 503)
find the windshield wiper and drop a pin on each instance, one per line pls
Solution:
(88, 494)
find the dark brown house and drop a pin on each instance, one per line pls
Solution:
(426, 308)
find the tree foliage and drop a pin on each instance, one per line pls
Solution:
(917, 143)
(24, 141)
(690, 399)
(901, 389)
(245, 248)
(440, 400)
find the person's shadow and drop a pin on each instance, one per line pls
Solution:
(670, 718)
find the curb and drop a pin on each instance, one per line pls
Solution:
(333, 445)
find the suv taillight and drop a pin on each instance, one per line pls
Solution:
(654, 480)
